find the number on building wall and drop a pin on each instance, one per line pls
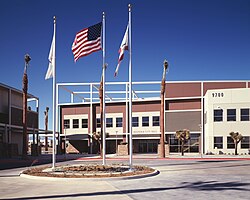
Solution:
(217, 94)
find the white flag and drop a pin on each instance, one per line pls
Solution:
(51, 58)
(123, 47)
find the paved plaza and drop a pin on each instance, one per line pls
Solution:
(179, 178)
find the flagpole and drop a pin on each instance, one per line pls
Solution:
(103, 76)
(54, 97)
(130, 93)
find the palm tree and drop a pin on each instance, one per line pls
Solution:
(237, 137)
(183, 136)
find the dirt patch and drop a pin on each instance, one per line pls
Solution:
(89, 171)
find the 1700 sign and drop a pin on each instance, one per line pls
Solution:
(217, 94)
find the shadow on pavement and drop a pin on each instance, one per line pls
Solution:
(31, 161)
(200, 185)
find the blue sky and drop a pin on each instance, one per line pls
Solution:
(201, 39)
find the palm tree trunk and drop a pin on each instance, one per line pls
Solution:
(182, 148)
(100, 145)
(162, 138)
(235, 145)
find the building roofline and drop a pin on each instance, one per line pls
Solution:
(16, 90)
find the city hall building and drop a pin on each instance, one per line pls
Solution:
(210, 110)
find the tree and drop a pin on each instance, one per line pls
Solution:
(162, 112)
(97, 136)
(46, 113)
(183, 136)
(237, 137)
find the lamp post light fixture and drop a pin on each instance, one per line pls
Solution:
(27, 59)
(162, 113)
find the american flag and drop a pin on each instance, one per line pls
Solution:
(87, 41)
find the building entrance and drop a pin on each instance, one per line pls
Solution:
(147, 147)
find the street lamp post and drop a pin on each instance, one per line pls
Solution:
(162, 139)
(27, 59)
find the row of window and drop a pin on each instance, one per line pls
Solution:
(218, 142)
(75, 123)
(135, 122)
(118, 122)
(109, 122)
(231, 115)
(145, 121)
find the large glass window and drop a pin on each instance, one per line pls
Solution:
(192, 145)
(231, 114)
(156, 121)
(135, 121)
(218, 115)
(145, 121)
(84, 123)
(174, 143)
(244, 114)
(75, 123)
(230, 143)
(245, 142)
(98, 123)
(119, 122)
(218, 142)
(66, 123)
(109, 122)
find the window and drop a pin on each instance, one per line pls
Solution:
(1, 137)
(145, 121)
(245, 143)
(218, 142)
(244, 114)
(109, 122)
(84, 123)
(231, 114)
(98, 123)
(218, 115)
(230, 143)
(119, 122)
(156, 121)
(135, 121)
(191, 145)
(66, 123)
(75, 123)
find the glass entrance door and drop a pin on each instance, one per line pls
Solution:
(147, 147)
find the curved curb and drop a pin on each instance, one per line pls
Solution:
(154, 173)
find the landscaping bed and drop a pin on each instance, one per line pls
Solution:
(89, 171)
